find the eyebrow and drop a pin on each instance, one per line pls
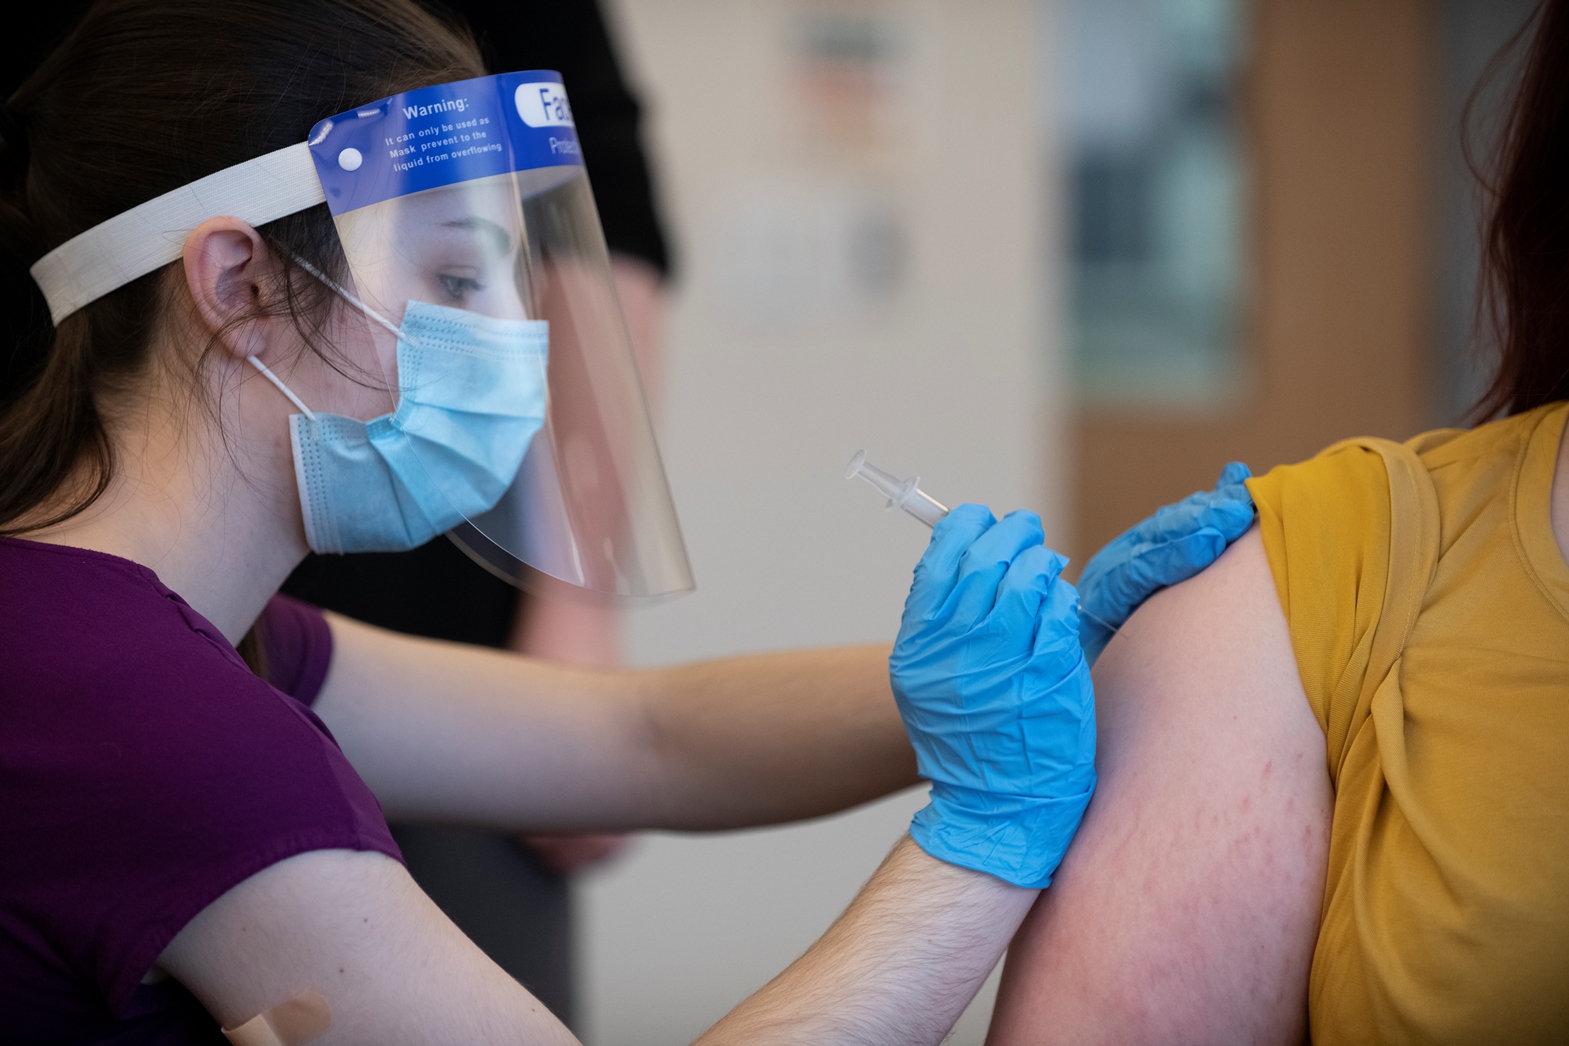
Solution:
(501, 236)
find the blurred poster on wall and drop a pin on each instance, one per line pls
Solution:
(825, 238)
(1157, 199)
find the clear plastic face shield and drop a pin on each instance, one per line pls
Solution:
(480, 297)
(469, 227)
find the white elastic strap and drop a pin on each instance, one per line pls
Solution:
(347, 295)
(337, 288)
(151, 235)
(270, 376)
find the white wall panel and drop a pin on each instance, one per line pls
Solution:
(858, 195)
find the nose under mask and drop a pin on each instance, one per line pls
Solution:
(472, 395)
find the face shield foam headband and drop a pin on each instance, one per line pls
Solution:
(469, 229)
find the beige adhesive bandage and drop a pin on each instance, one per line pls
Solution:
(290, 1023)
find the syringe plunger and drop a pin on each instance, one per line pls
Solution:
(903, 493)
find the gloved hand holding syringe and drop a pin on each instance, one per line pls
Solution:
(1171, 546)
(993, 637)
(908, 495)
(988, 644)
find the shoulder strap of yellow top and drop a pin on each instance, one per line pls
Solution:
(1413, 558)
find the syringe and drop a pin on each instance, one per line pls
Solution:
(908, 495)
(904, 493)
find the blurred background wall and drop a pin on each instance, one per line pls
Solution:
(1328, 286)
(1070, 254)
(1329, 101)
(855, 189)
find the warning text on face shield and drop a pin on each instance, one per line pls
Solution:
(441, 142)
(443, 135)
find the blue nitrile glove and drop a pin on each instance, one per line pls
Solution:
(1174, 544)
(996, 697)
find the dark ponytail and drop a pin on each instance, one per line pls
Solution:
(54, 432)
(142, 97)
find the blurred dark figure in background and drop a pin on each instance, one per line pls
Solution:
(511, 896)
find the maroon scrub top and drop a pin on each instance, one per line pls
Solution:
(144, 770)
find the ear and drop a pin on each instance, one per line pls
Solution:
(226, 266)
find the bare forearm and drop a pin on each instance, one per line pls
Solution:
(776, 737)
(446, 732)
(897, 968)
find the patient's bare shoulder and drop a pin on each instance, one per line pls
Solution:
(1187, 908)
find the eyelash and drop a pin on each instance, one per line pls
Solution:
(458, 287)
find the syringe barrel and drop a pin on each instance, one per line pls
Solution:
(924, 507)
(905, 493)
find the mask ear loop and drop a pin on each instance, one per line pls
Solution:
(346, 294)
(270, 376)
(342, 292)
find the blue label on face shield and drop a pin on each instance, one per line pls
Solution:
(443, 135)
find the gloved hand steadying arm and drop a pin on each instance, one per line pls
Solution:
(996, 696)
(1174, 544)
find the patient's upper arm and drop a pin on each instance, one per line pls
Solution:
(1187, 908)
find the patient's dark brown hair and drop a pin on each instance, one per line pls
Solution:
(1525, 249)
(145, 96)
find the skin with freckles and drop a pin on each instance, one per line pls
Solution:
(1187, 908)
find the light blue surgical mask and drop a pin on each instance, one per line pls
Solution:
(472, 395)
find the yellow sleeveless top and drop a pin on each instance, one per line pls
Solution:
(1429, 611)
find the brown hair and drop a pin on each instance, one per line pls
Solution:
(145, 96)
(1525, 247)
